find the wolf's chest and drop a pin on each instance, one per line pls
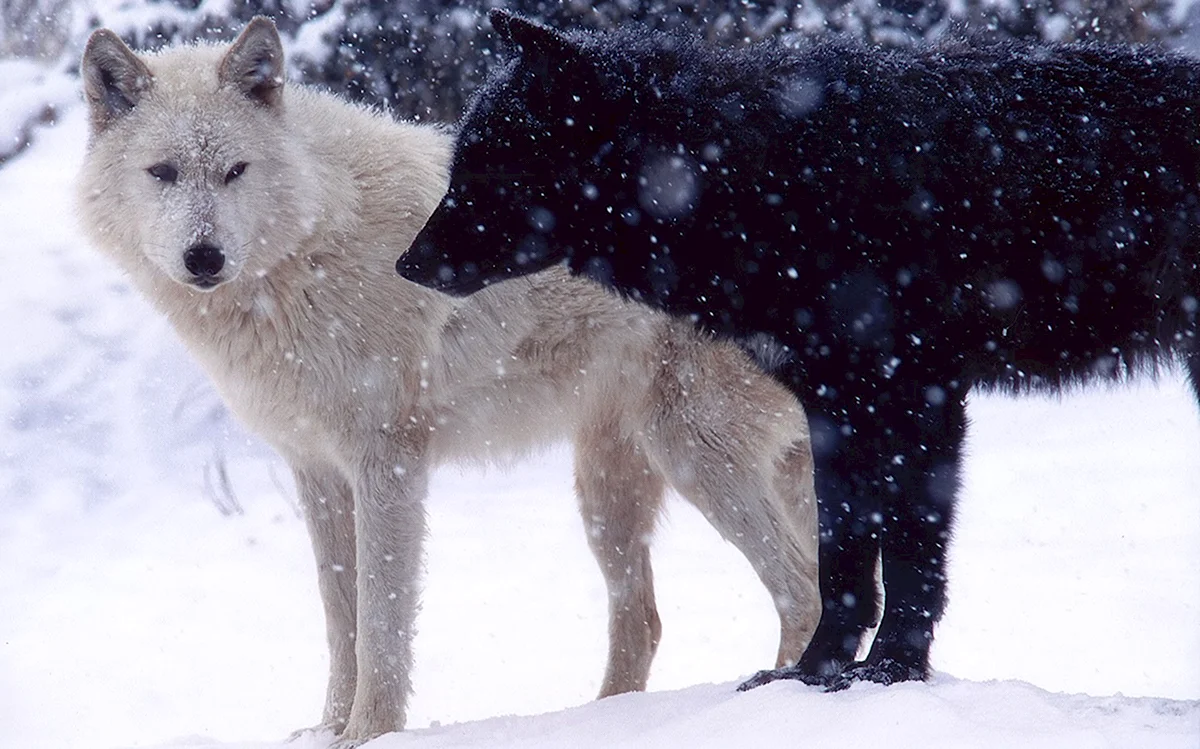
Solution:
(308, 391)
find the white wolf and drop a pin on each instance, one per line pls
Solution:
(264, 220)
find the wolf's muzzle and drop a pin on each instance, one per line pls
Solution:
(424, 265)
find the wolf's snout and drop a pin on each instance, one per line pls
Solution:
(425, 265)
(414, 263)
(204, 261)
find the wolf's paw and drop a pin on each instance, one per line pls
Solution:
(359, 730)
(314, 737)
(813, 669)
(883, 671)
(353, 742)
(791, 673)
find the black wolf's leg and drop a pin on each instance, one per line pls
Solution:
(1193, 371)
(919, 513)
(850, 516)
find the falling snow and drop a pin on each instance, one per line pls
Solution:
(141, 609)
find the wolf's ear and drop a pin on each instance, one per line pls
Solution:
(530, 37)
(254, 63)
(114, 78)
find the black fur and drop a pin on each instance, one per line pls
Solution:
(908, 224)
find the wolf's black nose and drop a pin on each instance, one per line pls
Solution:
(414, 264)
(203, 260)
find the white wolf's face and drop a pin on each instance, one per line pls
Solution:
(188, 156)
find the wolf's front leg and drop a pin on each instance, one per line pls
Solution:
(328, 505)
(390, 521)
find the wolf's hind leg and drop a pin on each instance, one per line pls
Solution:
(738, 449)
(619, 498)
(799, 610)
(1192, 363)
(328, 506)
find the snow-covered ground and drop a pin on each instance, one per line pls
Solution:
(134, 612)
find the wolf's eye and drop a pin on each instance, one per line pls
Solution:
(163, 173)
(235, 171)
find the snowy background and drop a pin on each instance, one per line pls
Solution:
(156, 587)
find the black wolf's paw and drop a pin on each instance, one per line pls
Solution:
(793, 673)
(885, 671)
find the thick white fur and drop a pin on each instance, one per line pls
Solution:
(364, 382)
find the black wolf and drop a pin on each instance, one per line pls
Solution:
(907, 225)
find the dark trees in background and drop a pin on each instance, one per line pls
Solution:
(423, 58)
